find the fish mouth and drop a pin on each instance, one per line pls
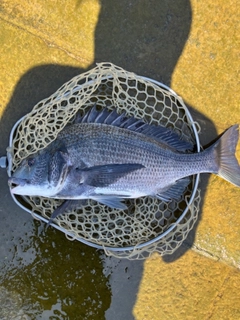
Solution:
(16, 185)
(26, 187)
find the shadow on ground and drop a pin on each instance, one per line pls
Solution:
(146, 37)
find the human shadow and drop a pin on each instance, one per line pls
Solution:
(145, 37)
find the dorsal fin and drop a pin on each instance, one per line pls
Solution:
(159, 133)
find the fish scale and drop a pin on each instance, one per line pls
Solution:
(101, 144)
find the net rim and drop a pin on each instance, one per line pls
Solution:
(92, 244)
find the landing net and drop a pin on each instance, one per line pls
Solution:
(149, 225)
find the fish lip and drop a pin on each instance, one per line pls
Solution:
(15, 184)
(17, 181)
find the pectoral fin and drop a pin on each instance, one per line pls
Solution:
(102, 176)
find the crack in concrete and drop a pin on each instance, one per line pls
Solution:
(210, 255)
(46, 41)
(206, 253)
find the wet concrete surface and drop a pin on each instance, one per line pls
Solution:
(186, 45)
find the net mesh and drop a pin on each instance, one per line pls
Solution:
(149, 224)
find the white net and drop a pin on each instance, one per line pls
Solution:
(149, 224)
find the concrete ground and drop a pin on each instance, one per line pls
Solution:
(192, 46)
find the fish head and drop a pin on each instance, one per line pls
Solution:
(41, 174)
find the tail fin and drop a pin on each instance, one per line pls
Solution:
(229, 168)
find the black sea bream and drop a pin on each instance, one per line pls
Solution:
(109, 157)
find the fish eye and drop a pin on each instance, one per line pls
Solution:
(30, 162)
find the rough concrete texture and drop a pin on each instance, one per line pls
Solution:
(191, 46)
(212, 85)
(194, 287)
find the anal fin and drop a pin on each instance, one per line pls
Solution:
(111, 201)
(174, 191)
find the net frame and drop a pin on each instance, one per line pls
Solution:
(179, 229)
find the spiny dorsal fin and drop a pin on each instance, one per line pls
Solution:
(159, 133)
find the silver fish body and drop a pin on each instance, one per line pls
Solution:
(108, 157)
(102, 144)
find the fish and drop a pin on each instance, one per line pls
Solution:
(109, 157)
